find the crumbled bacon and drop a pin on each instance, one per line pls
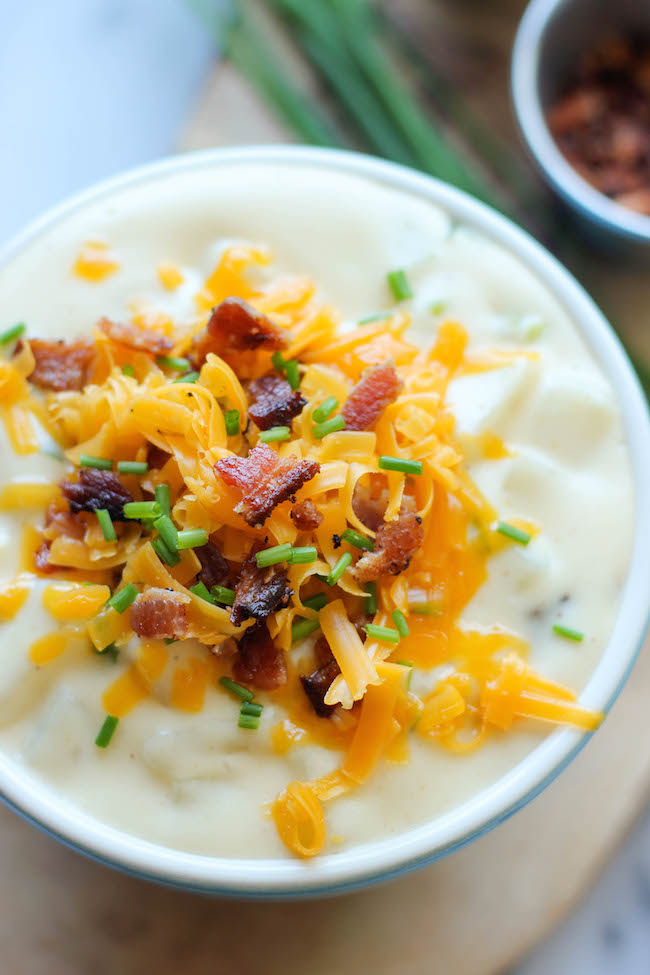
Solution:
(274, 402)
(61, 365)
(235, 326)
(214, 568)
(264, 480)
(42, 558)
(370, 507)
(156, 457)
(306, 516)
(95, 490)
(317, 684)
(158, 613)
(60, 521)
(378, 387)
(136, 338)
(259, 591)
(395, 544)
(259, 662)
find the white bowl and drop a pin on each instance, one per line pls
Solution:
(386, 858)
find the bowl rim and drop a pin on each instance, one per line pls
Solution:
(524, 74)
(386, 858)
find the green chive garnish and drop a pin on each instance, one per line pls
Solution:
(231, 419)
(316, 602)
(399, 285)
(292, 374)
(166, 554)
(128, 371)
(377, 317)
(192, 538)
(223, 595)
(200, 589)
(163, 500)
(400, 622)
(322, 412)
(423, 609)
(438, 307)
(171, 362)
(302, 555)
(101, 463)
(169, 640)
(568, 632)
(250, 707)
(359, 541)
(321, 430)
(516, 534)
(189, 377)
(303, 628)
(407, 663)
(106, 731)
(384, 633)
(372, 603)
(339, 569)
(106, 524)
(132, 467)
(275, 433)
(278, 361)
(121, 600)
(400, 464)
(142, 509)
(13, 333)
(273, 555)
(167, 531)
(110, 652)
(248, 721)
(236, 689)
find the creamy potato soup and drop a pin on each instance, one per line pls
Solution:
(304, 502)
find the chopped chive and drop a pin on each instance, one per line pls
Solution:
(236, 688)
(121, 600)
(329, 426)
(438, 307)
(377, 317)
(339, 569)
(142, 509)
(400, 622)
(189, 377)
(568, 632)
(223, 595)
(302, 555)
(248, 721)
(278, 361)
(399, 285)
(169, 640)
(303, 628)
(132, 467)
(322, 412)
(167, 531)
(110, 651)
(101, 463)
(316, 602)
(166, 554)
(106, 731)
(106, 524)
(128, 371)
(385, 633)
(407, 663)
(516, 534)
(201, 590)
(275, 433)
(273, 555)
(400, 464)
(250, 707)
(231, 419)
(192, 538)
(292, 374)
(178, 364)
(358, 540)
(163, 500)
(13, 333)
(371, 595)
(423, 609)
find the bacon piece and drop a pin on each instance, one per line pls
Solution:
(61, 365)
(264, 480)
(42, 558)
(97, 489)
(395, 544)
(259, 662)
(259, 591)
(235, 326)
(158, 613)
(306, 516)
(370, 507)
(317, 684)
(136, 338)
(275, 403)
(156, 457)
(60, 521)
(214, 568)
(378, 387)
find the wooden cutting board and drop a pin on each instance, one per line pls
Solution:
(473, 913)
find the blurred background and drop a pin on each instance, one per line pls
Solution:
(89, 88)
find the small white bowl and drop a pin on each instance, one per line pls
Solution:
(415, 847)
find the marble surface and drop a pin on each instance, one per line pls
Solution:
(90, 87)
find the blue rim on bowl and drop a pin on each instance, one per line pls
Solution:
(389, 857)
